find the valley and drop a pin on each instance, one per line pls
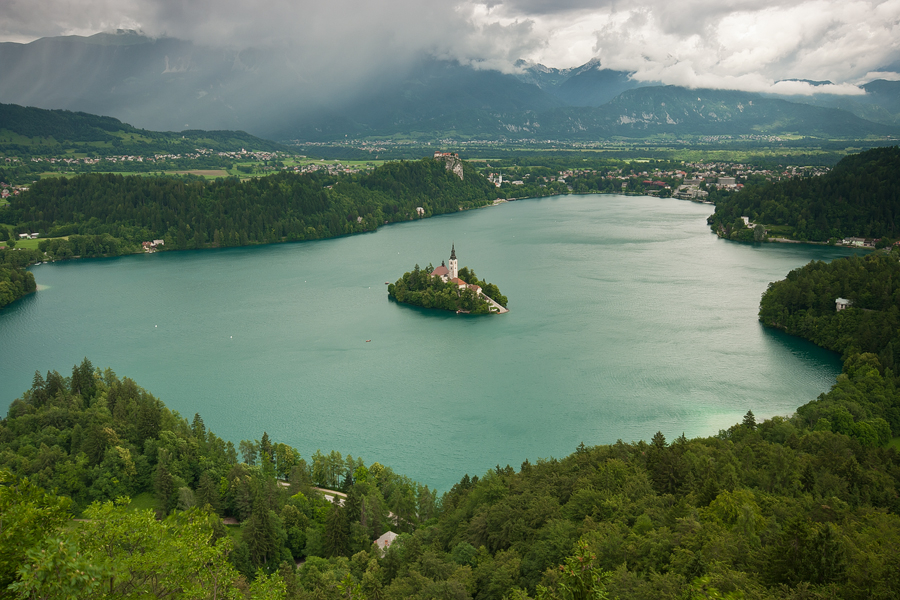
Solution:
(210, 205)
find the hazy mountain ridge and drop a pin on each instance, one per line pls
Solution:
(38, 131)
(650, 111)
(168, 84)
(880, 104)
(717, 112)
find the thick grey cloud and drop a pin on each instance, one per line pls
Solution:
(820, 40)
(744, 44)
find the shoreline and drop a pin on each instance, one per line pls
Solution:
(496, 202)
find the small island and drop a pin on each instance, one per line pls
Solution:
(448, 287)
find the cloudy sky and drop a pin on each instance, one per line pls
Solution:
(736, 44)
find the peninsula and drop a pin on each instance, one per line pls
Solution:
(448, 288)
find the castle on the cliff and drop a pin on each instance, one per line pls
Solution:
(451, 162)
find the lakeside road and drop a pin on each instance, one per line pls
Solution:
(788, 241)
(780, 240)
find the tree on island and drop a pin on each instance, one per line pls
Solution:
(419, 288)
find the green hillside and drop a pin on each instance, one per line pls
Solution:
(860, 197)
(804, 304)
(34, 132)
(104, 214)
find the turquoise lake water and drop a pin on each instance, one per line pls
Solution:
(627, 316)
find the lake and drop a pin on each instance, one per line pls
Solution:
(627, 316)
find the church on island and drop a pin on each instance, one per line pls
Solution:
(450, 273)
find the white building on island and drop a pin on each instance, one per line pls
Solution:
(451, 274)
(448, 273)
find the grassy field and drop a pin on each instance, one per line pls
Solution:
(207, 173)
(779, 230)
(143, 501)
(28, 244)
(256, 169)
(234, 531)
(812, 156)
(895, 444)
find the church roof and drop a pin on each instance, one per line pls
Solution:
(458, 281)
(440, 271)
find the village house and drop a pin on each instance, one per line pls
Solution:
(386, 539)
(858, 242)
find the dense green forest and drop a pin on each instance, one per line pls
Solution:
(15, 281)
(419, 288)
(859, 197)
(95, 438)
(777, 509)
(867, 334)
(114, 214)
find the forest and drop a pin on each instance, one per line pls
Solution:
(113, 214)
(771, 509)
(867, 334)
(95, 439)
(419, 288)
(857, 198)
(15, 281)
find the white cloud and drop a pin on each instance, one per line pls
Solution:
(753, 48)
(747, 44)
(886, 75)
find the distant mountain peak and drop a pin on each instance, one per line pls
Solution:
(811, 82)
(593, 64)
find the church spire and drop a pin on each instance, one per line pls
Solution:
(453, 266)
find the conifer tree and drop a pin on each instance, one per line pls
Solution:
(337, 533)
(264, 536)
(208, 493)
(164, 486)
(749, 421)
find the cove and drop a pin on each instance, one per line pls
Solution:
(627, 316)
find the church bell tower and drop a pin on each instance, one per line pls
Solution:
(453, 266)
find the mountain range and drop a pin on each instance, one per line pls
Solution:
(168, 84)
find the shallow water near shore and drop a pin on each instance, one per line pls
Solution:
(627, 316)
